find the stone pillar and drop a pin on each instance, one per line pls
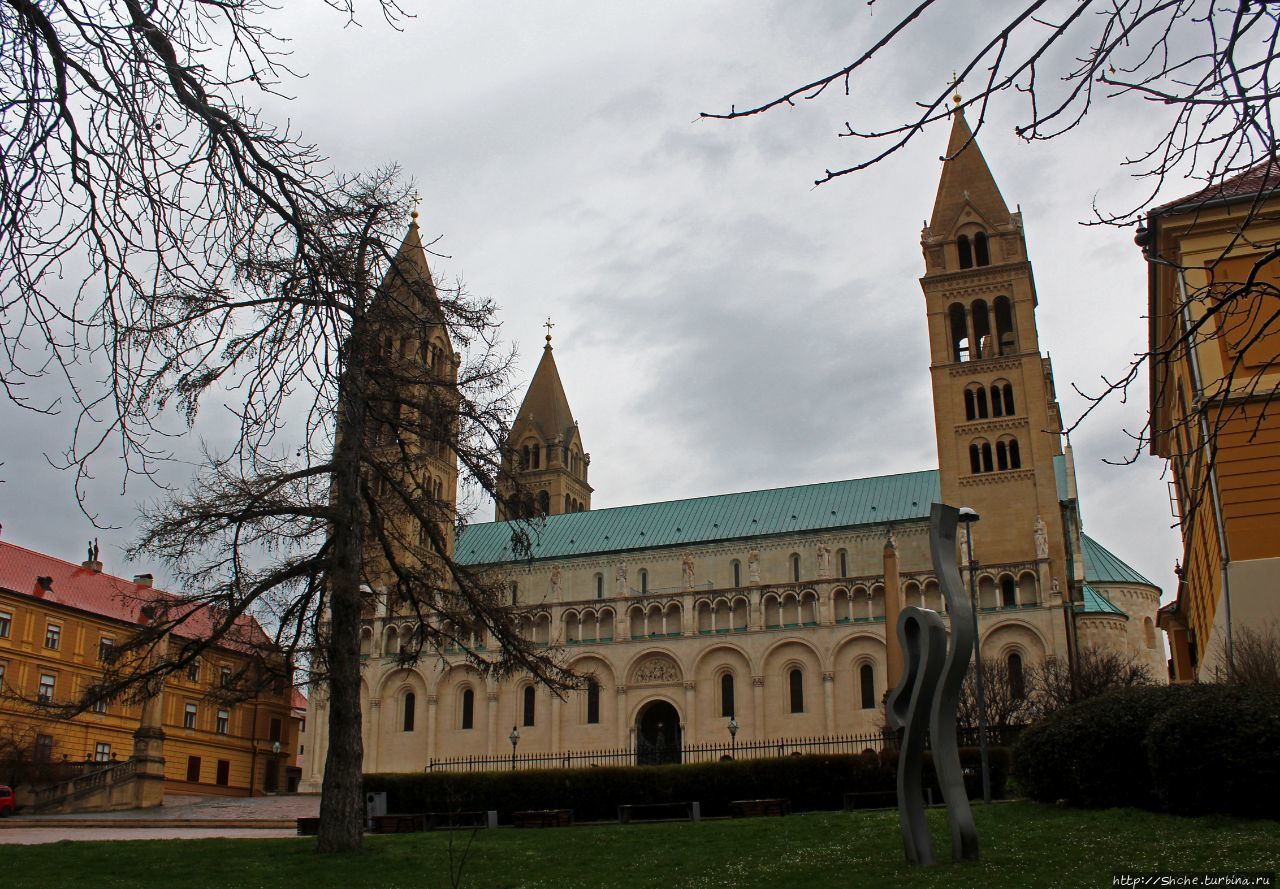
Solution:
(690, 712)
(828, 702)
(491, 725)
(623, 739)
(756, 616)
(554, 712)
(757, 707)
(371, 745)
(826, 606)
(892, 605)
(148, 755)
(433, 703)
(688, 618)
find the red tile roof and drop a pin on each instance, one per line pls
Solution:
(298, 701)
(75, 586)
(1259, 179)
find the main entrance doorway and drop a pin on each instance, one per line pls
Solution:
(657, 734)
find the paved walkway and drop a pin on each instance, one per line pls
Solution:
(181, 817)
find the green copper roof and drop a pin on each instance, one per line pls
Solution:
(864, 501)
(1096, 603)
(1102, 566)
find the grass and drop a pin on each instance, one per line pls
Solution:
(1024, 845)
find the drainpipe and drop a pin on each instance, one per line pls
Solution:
(1210, 464)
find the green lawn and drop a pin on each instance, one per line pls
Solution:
(1024, 845)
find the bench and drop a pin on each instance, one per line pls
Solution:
(686, 811)
(543, 818)
(308, 827)
(756, 808)
(400, 823)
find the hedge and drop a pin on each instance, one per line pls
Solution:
(811, 783)
(1218, 752)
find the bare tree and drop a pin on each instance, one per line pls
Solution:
(1256, 655)
(1096, 671)
(1005, 694)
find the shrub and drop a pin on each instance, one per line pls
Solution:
(594, 794)
(1094, 753)
(1218, 751)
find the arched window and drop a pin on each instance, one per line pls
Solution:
(867, 686)
(1017, 682)
(959, 332)
(1008, 592)
(997, 403)
(1004, 326)
(544, 501)
(965, 251)
(528, 705)
(568, 503)
(1002, 456)
(1006, 392)
(981, 330)
(844, 562)
(796, 682)
(524, 457)
(726, 695)
(410, 710)
(980, 402)
(468, 708)
(980, 254)
(593, 702)
(1015, 458)
(599, 586)
(536, 451)
(986, 457)
(970, 408)
(737, 573)
(795, 567)
(975, 459)
(644, 581)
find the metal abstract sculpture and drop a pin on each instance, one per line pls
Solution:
(927, 697)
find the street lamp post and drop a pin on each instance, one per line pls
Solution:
(733, 737)
(514, 738)
(970, 517)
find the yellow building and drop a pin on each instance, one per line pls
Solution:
(59, 622)
(1214, 293)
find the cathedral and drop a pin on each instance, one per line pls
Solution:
(769, 607)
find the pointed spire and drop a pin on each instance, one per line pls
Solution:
(545, 405)
(966, 180)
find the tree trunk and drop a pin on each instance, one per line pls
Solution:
(342, 799)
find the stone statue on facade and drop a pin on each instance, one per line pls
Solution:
(686, 569)
(620, 579)
(824, 560)
(962, 540)
(1042, 539)
(753, 567)
(555, 582)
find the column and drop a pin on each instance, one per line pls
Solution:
(371, 745)
(690, 712)
(492, 725)
(622, 716)
(555, 711)
(432, 705)
(892, 605)
(688, 619)
(828, 702)
(756, 617)
(757, 707)
(826, 607)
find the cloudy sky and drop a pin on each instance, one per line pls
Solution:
(721, 325)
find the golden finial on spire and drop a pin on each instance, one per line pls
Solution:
(955, 83)
(548, 325)
(415, 197)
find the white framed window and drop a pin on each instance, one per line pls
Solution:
(52, 636)
(189, 716)
(193, 671)
(47, 682)
(102, 752)
(225, 677)
(6, 624)
(100, 706)
(2, 665)
(106, 647)
(224, 720)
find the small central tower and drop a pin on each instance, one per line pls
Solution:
(545, 454)
(994, 404)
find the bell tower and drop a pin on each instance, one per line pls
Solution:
(994, 404)
(545, 453)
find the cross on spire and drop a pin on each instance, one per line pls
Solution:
(548, 325)
(416, 198)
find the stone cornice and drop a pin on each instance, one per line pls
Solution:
(996, 478)
(991, 424)
(989, 365)
(990, 277)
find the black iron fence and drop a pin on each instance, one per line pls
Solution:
(654, 754)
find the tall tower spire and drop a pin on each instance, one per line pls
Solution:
(545, 447)
(994, 405)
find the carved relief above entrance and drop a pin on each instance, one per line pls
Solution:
(656, 670)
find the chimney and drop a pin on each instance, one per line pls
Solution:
(43, 585)
(143, 579)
